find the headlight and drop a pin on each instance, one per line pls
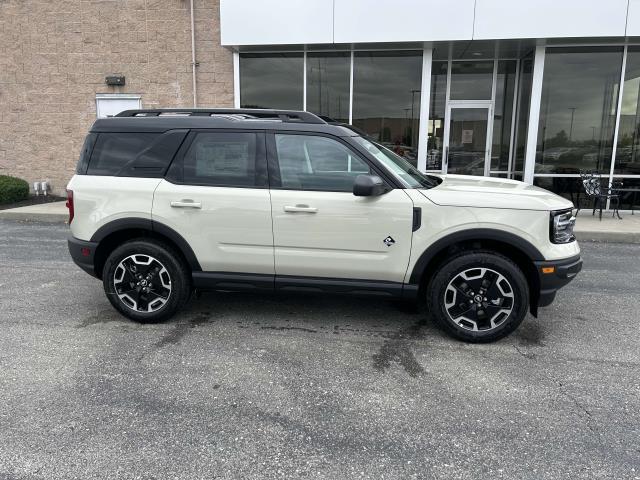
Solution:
(561, 228)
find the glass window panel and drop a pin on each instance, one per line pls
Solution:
(467, 141)
(471, 80)
(522, 124)
(502, 117)
(630, 193)
(328, 84)
(113, 151)
(272, 80)
(628, 148)
(317, 163)
(221, 159)
(438, 102)
(568, 187)
(578, 109)
(386, 98)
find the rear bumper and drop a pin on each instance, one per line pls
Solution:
(82, 253)
(559, 273)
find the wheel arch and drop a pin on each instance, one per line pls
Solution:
(115, 233)
(520, 251)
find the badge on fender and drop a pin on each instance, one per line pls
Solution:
(389, 241)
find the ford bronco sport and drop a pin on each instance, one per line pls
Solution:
(167, 201)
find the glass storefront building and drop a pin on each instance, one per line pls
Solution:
(537, 109)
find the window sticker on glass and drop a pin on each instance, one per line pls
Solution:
(467, 136)
(216, 158)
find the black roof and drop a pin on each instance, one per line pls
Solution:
(161, 120)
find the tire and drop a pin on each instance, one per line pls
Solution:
(146, 280)
(478, 296)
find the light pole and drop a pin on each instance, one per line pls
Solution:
(413, 96)
(409, 122)
(573, 111)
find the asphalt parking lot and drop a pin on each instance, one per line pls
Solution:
(247, 386)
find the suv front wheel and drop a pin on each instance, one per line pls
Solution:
(146, 280)
(478, 296)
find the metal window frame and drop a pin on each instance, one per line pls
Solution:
(492, 119)
(304, 80)
(351, 88)
(616, 127)
(534, 114)
(236, 79)
(514, 117)
(425, 104)
(476, 104)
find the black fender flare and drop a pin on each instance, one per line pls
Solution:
(468, 235)
(151, 226)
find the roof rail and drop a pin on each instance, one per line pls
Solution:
(249, 113)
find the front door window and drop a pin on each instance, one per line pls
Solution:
(467, 151)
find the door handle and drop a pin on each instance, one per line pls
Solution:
(300, 208)
(186, 204)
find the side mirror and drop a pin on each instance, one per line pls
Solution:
(368, 186)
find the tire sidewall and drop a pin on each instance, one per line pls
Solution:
(175, 268)
(466, 261)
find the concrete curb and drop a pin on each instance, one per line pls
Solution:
(609, 237)
(34, 217)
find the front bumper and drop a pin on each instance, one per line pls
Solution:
(83, 253)
(555, 274)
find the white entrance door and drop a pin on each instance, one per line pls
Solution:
(467, 138)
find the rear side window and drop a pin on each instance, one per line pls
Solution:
(112, 151)
(85, 153)
(224, 159)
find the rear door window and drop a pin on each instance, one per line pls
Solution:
(224, 159)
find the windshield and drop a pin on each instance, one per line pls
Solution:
(410, 175)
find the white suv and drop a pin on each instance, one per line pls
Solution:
(165, 201)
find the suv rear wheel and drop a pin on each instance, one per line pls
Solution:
(146, 280)
(478, 296)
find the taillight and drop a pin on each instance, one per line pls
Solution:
(70, 204)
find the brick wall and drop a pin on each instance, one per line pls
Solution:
(54, 56)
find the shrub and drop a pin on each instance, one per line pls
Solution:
(13, 189)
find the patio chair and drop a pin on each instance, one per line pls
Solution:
(592, 184)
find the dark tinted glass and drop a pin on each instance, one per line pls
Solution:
(386, 98)
(328, 84)
(567, 187)
(85, 153)
(113, 151)
(628, 149)
(471, 80)
(437, 108)
(629, 191)
(152, 162)
(271, 80)
(317, 163)
(522, 124)
(578, 109)
(503, 114)
(221, 159)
